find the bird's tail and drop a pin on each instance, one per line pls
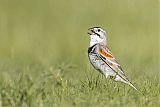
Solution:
(125, 80)
(130, 84)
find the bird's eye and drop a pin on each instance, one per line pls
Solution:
(99, 30)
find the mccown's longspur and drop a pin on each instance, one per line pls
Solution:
(102, 59)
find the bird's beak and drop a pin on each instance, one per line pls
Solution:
(90, 31)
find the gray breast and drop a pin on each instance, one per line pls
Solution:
(97, 62)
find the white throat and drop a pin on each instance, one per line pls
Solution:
(94, 40)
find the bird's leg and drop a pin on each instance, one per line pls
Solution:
(112, 77)
(108, 77)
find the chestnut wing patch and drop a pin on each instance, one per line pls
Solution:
(105, 54)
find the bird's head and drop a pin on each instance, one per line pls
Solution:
(97, 35)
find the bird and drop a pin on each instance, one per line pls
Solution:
(102, 59)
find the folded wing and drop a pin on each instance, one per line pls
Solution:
(108, 58)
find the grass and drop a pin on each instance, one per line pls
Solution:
(43, 53)
(38, 86)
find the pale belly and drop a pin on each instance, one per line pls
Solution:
(101, 65)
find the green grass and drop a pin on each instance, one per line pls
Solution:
(43, 53)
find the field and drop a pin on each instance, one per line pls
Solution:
(43, 53)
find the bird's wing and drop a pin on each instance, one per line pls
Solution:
(109, 59)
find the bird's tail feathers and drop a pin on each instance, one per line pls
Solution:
(130, 84)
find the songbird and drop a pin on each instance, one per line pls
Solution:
(102, 59)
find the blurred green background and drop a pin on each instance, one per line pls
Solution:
(54, 33)
(55, 30)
